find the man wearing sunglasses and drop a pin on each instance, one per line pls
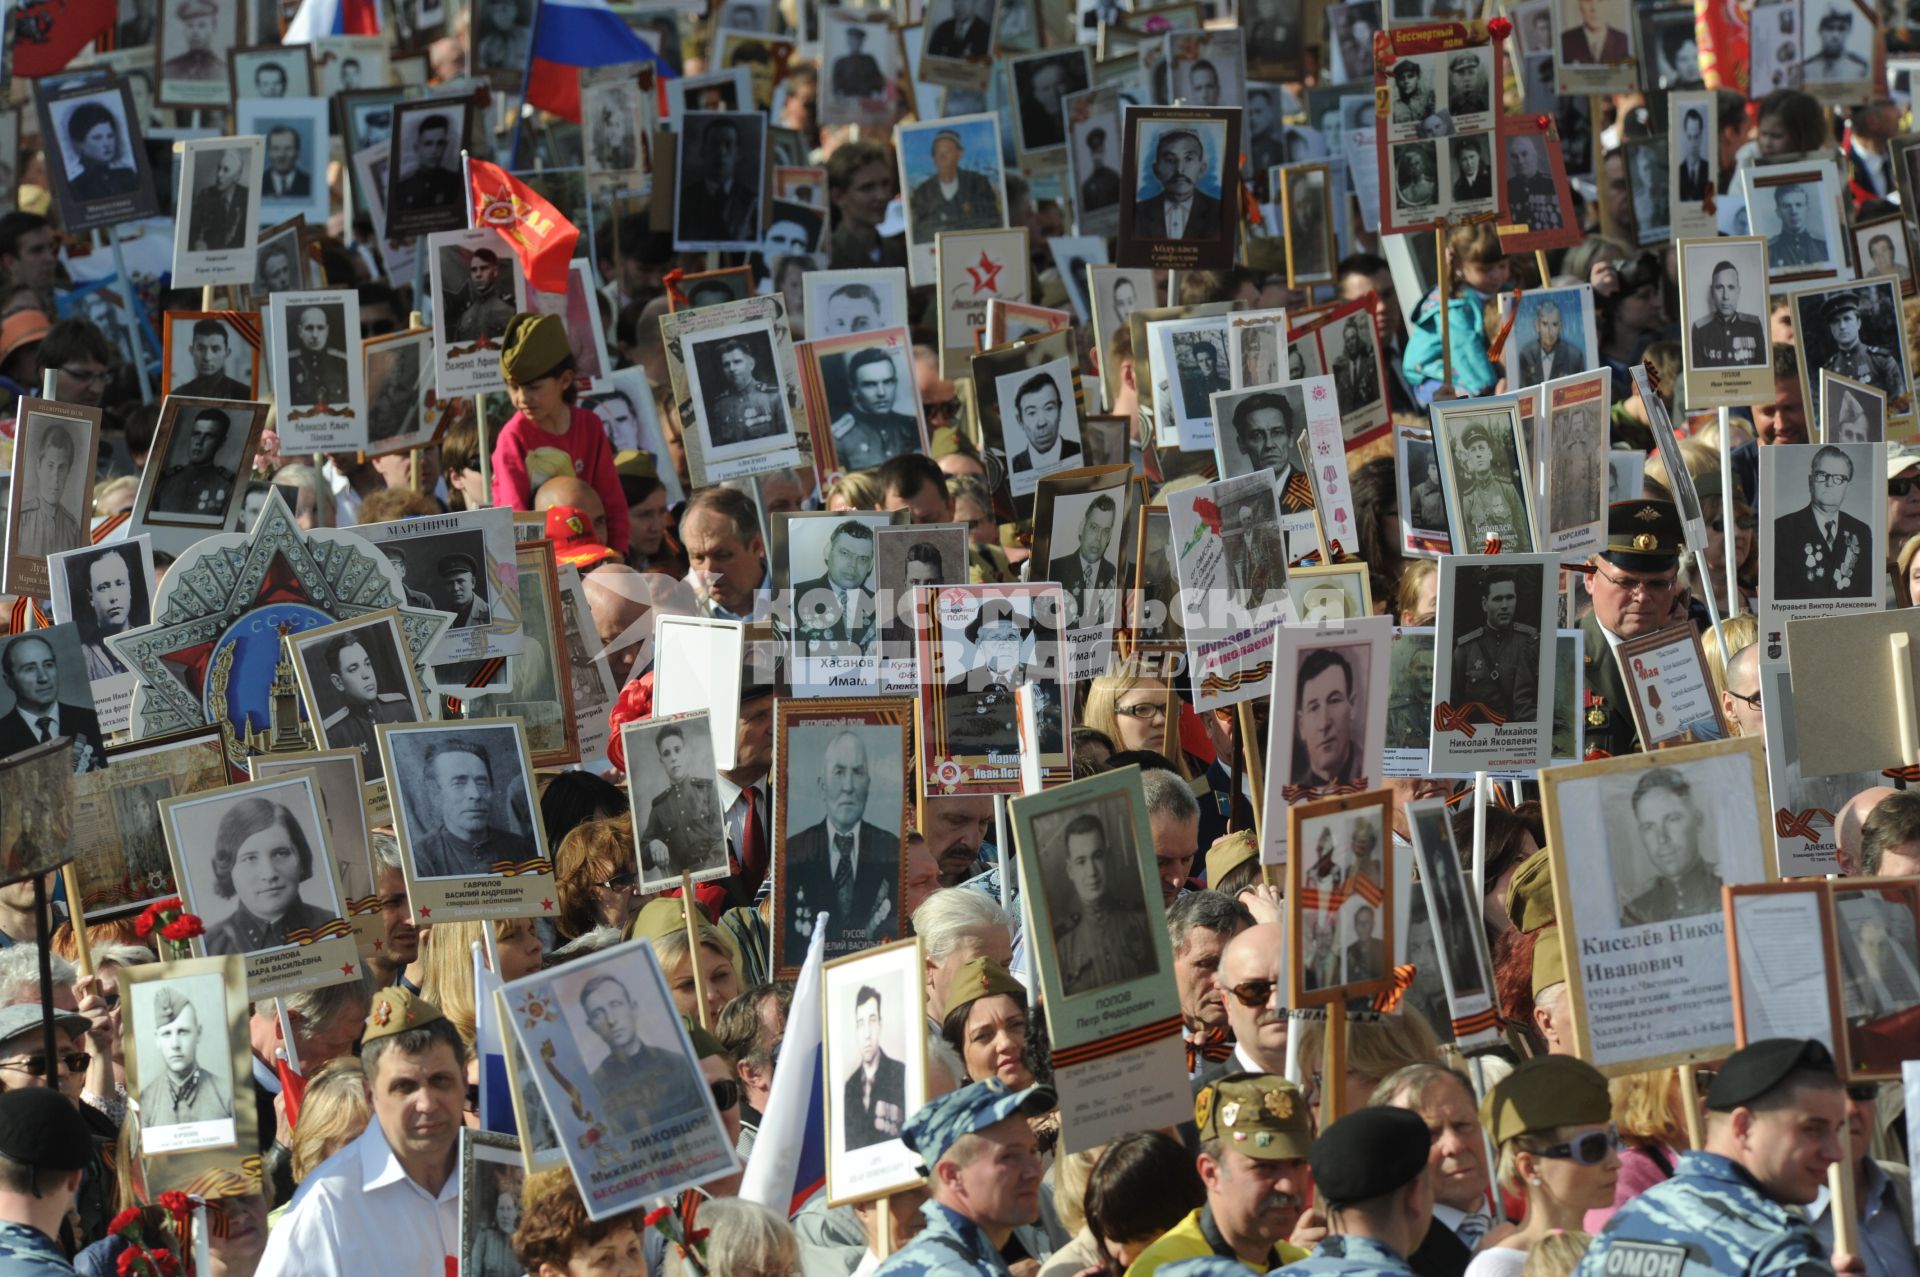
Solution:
(1256, 1016)
(1632, 583)
(1774, 1113)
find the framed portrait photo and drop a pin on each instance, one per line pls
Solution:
(191, 47)
(862, 383)
(539, 690)
(723, 170)
(838, 302)
(277, 261)
(105, 589)
(493, 1177)
(404, 410)
(1494, 664)
(863, 58)
(1538, 197)
(1483, 471)
(958, 46)
(1796, 209)
(1554, 334)
(318, 374)
(1648, 185)
(1594, 46)
(348, 807)
(425, 192)
(1850, 411)
(294, 179)
(737, 385)
(480, 287)
(1115, 293)
(1880, 248)
(271, 71)
(184, 1024)
(1727, 356)
(1306, 202)
(679, 824)
(959, 154)
(1030, 404)
(1329, 720)
(1179, 192)
(1858, 330)
(1339, 877)
(219, 211)
(95, 157)
(873, 1007)
(36, 790)
(1823, 537)
(982, 641)
(213, 354)
(355, 675)
(1573, 416)
(55, 446)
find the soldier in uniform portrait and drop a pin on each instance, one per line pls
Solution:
(461, 577)
(1726, 338)
(199, 485)
(47, 526)
(1594, 42)
(198, 61)
(1409, 713)
(874, 1099)
(1496, 667)
(1852, 357)
(456, 781)
(1100, 938)
(718, 198)
(954, 198)
(1413, 98)
(1363, 952)
(1101, 187)
(1356, 373)
(1429, 502)
(683, 831)
(1575, 479)
(355, 680)
(1467, 89)
(639, 1086)
(856, 74)
(870, 431)
(1833, 60)
(746, 408)
(260, 857)
(431, 184)
(1490, 503)
(1794, 244)
(208, 350)
(1669, 826)
(485, 305)
(218, 219)
(184, 1091)
(316, 373)
(1531, 195)
(1209, 376)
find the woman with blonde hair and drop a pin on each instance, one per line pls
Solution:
(1904, 593)
(1378, 1046)
(1417, 597)
(1653, 1133)
(1136, 712)
(333, 1112)
(446, 954)
(1549, 1119)
(663, 925)
(855, 490)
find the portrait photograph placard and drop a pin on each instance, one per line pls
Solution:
(1231, 563)
(1155, 611)
(404, 408)
(1093, 150)
(1264, 432)
(253, 861)
(1040, 83)
(1669, 689)
(873, 1007)
(46, 695)
(317, 371)
(463, 563)
(1647, 185)
(961, 152)
(425, 190)
(1483, 452)
(959, 44)
(1554, 335)
(1859, 330)
(355, 675)
(1306, 202)
(1659, 834)
(1850, 411)
(1693, 160)
(211, 354)
(1844, 62)
(1539, 199)
(202, 453)
(55, 447)
(1423, 507)
(1328, 728)
(586, 335)
(539, 691)
(271, 71)
(737, 385)
(466, 813)
(1728, 359)
(277, 261)
(1574, 416)
(1179, 187)
(981, 642)
(1257, 347)
(36, 810)
(1880, 248)
(1087, 878)
(1782, 984)
(842, 788)
(863, 59)
(191, 48)
(218, 225)
(618, 105)
(344, 804)
(184, 1025)
(1079, 522)
(975, 268)
(1349, 350)
(95, 157)
(294, 182)
(1207, 67)
(1594, 44)
(636, 1117)
(1873, 956)
(479, 286)
(679, 824)
(1029, 404)
(697, 664)
(1409, 701)
(1437, 161)
(907, 558)
(826, 559)
(1339, 919)
(1115, 293)
(493, 1176)
(722, 172)
(838, 302)
(862, 383)
(1459, 938)
(1190, 364)
(1824, 539)
(1493, 662)
(1796, 209)
(105, 589)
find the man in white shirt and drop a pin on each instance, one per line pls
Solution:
(1445, 1101)
(389, 1201)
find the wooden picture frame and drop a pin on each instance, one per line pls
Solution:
(1325, 886)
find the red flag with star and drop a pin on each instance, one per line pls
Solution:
(47, 34)
(541, 238)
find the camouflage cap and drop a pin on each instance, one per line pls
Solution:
(1260, 1114)
(395, 1010)
(1543, 1093)
(979, 978)
(533, 347)
(1228, 853)
(968, 1111)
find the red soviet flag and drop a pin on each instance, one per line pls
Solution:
(542, 239)
(48, 33)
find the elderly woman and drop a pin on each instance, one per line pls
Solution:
(744, 1239)
(557, 1239)
(260, 858)
(1551, 1120)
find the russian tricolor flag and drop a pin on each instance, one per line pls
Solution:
(789, 1161)
(332, 17)
(569, 35)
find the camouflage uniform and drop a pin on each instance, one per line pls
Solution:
(25, 1251)
(951, 1245)
(1710, 1218)
(1350, 1257)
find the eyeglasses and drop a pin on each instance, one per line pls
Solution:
(1900, 487)
(726, 1093)
(1752, 701)
(99, 378)
(36, 1065)
(1829, 478)
(1145, 711)
(1863, 1092)
(941, 410)
(620, 882)
(1590, 1149)
(1253, 993)
(1637, 585)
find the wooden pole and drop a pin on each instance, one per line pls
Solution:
(1540, 263)
(884, 1243)
(206, 297)
(1844, 1209)
(1333, 1073)
(1445, 290)
(486, 448)
(687, 906)
(77, 916)
(1690, 1103)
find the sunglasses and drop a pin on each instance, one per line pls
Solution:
(1863, 1092)
(1590, 1149)
(726, 1094)
(1253, 993)
(620, 882)
(1900, 487)
(36, 1065)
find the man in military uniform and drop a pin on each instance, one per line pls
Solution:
(683, 827)
(1428, 500)
(351, 673)
(484, 307)
(218, 219)
(874, 1096)
(746, 407)
(1669, 826)
(209, 354)
(870, 431)
(1412, 97)
(198, 61)
(1632, 585)
(1101, 936)
(1255, 1133)
(183, 1091)
(1363, 951)
(1774, 1114)
(431, 184)
(1490, 503)
(1794, 244)
(1531, 194)
(983, 1173)
(966, 34)
(1409, 713)
(1101, 188)
(1496, 667)
(461, 576)
(1573, 474)
(415, 598)
(954, 198)
(319, 375)
(638, 1086)
(1833, 60)
(1851, 357)
(200, 485)
(47, 526)
(1467, 90)
(717, 196)
(1726, 338)
(855, 73)
(1356, 377)
(457, 779)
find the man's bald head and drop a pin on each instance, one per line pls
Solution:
(1740, 699)
(1849, 821)
(625, 603)
(1254, 954)
(567, 490)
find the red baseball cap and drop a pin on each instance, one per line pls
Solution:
(572, 535)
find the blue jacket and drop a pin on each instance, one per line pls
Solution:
(1349, 1257)
(949, 1246)
(1710, 1218)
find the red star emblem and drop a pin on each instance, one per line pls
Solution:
(986, 276)
(379, 943)
(546, 906)
(426, 913)
(346, 968)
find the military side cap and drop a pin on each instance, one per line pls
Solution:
(1369, 1153)
(979, 978)
(1228, 853)
(167, 1005)
(1644, 535)
(636, 464)
(1545, 1092)
(533, 347)
(1530, 893)
(40, 1128)
(665, 915)
(968, 1111)
(1758, 1067)
(1549, 960)
(1260, 1114)
(395, 1010)
(1840, 303)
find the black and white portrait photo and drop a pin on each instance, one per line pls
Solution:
(1795, 208)
(907, 559)
(353, 679)
(613, 114)
(1856, 330)
(1093, 158)
(1178, 189)
(830, 563)
(46, 696)
(1533, 199)
(1842, 51)
(1826, 537)
(1095, 897)
(199, 456)
(315, 348)
(1208, 69)
(1851, 411)
(862, 63)
(1424, 506)
(399, 372)
(1593, 33)
(501, 31)
(272, 71)
(1414, 97)
(1414, 167)
(1255, 550)
(870, 394)
(211, 358)
(1263, 429)
(1307, 211)
(1495, 640)
(481, 291)
(445, 571)
(1667, 36)
(318, 369)
(679, 826)
(1647, 180)
(293, 177)
(53, 469)
(464, 796)
(219, 197)
(1487, 494)
(1041, 82)
(96, 158)
(183, 1058)
(255, 864)
(1200, 366)
(721, 166)
(492, 1179)
(874, 1066)
(1274, 33)
(1725, 287)
(1039, 415)
(960, 30)
(840, 302)
(276, 262)
(1085, 556)
(104, 590)
(425, 192)
(1353, 26)
(1673, 876)
(1266, 140)
(735, 383)
(842, 814)
(1575, 456)
(1459, 947)
(1330, 695)
(195, 36)
(1005, 641)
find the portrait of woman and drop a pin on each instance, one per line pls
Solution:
(260, 858)
(105, 164)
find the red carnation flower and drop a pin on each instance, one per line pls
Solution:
(657, 1214)
(173, 1201)
(143, 925)
(635, 703)
(129, 1218)
(1500, 28)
